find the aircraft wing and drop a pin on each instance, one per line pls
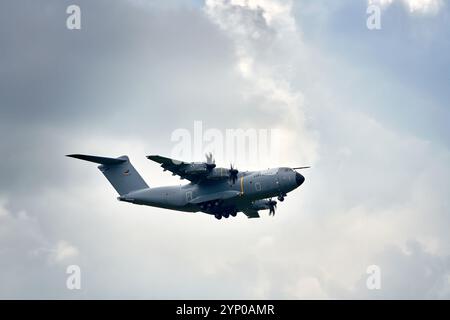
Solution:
(251, 213)
(176, 167)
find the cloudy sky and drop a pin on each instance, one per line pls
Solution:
(368, 109)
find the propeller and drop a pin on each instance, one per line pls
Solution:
(233, 174)
(272, 206)
(210, 162)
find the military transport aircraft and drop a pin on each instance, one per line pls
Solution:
(221, 192)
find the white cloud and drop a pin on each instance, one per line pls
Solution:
(307, 288)
(414, 6)
(267, 44)
(64, 251)
(29, 255)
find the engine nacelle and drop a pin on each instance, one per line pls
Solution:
(270, 205)
(261, 204)
(197, 168)
(218, 173)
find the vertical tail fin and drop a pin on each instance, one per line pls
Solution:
(119, 172)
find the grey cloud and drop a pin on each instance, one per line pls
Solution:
(121, 85)
(412, 273)
(404, 59)
(61, 87)
(53, 74)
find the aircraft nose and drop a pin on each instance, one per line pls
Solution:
(299, 178)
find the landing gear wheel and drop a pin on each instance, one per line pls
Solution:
(280, 198)
(233, 214)
(218, 216)
(226, 215)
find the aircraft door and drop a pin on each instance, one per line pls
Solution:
(188, 196)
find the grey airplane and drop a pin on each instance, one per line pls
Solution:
(221, 192)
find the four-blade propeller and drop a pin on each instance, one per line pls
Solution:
(272, 206)
(210, 162)
(233, 174)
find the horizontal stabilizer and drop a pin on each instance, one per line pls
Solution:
(119, 172)
(100, 160)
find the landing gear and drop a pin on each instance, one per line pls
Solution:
(281, 198)
(215, 208)
(225, 214)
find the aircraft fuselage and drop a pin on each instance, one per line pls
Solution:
(251, 186)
